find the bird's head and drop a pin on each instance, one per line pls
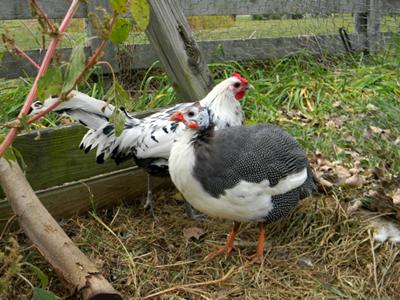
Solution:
(234, 88)
(238, 86)
(194, 117)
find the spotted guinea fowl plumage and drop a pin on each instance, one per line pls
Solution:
(244, 173)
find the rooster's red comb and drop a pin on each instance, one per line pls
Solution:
(242, 79)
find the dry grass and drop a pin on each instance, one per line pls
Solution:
(318, 252)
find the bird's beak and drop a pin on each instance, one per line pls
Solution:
(249, 87)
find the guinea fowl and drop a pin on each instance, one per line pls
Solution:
(149, 140)
(244, 173)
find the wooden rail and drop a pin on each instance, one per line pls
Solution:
(143, 56)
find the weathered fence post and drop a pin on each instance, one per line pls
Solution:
(170, 34)
(361, 25)
(110, 51)
(374, 23)
(367, 25)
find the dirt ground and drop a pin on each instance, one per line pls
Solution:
(318, 252)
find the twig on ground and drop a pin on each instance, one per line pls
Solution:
(185, 286)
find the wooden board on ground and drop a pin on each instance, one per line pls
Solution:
(101, 191)
(55, 157)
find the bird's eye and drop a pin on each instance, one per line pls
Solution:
(191, 114)
(236, 85)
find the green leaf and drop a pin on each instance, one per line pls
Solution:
(50, 84)
(118, 95)
(41, 294)
(9, 153)
(76, 65)
(140, 11)
(120, 31)
(2, 53)
(44, 280)
(119, 5)
(119, 121)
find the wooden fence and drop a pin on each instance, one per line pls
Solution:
(367, 17)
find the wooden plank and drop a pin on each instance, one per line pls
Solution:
(13, 66)
(56, 9)
(107, 190)
(19, 9)
(55, 158)
(142, 56)
(255, 7)
(171, 36)
(390, 7)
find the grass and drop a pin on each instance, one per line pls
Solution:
(319, 252)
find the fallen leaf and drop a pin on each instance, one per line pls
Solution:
(325, 183)
(382, 203)
(396, 197)
(372, 107)
(348, 137)
(305, 261)
(342, 173)
(193, 233)
(352, 208)
(354, 181)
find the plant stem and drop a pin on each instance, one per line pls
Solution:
(44, 16)
(23, 54)
(43, 68)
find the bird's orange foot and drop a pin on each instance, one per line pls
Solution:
(223, 250)
(252, 259)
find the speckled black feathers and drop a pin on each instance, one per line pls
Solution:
(249, 153)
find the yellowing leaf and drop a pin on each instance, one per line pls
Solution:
(140, 11)
(119, 122)
(76, 65)
(50, 84)
(118, 5)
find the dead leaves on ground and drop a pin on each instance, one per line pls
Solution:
(375, 189)
(193, 233)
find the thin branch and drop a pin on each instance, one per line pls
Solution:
(23, 54)
(42, 14)
(184, 286)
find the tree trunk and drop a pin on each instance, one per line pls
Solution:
(171, 37)
(73, 267)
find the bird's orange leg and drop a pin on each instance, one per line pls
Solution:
(228, 247)
(258, 256)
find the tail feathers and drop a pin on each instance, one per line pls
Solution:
(108, 145)
(309, 188)
(89, 111)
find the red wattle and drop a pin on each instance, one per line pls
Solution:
(239, 95)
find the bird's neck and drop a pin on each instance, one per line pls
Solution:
(224, 109)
